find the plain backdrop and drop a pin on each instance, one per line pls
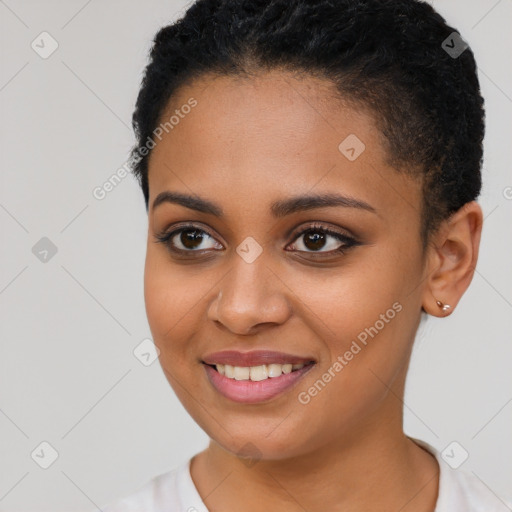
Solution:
(70, 321)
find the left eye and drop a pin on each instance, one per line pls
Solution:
(315, 238)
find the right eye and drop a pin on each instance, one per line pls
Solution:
(187, 239)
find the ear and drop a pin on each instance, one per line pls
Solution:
(452, 259)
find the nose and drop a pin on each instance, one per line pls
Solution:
(251, 297)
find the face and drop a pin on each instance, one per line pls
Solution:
(248, 267)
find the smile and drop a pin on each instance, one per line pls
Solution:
(257, 373)
(254, 377)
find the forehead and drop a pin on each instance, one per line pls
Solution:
(271, 134)
(281, 113)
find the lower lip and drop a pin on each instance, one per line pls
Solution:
(249, 392)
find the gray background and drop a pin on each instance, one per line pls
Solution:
(68, 375)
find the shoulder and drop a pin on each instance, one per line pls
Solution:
(460, 490)
(159, 494)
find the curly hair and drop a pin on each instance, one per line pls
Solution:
(387, 56)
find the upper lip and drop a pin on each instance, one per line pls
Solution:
(254, 358)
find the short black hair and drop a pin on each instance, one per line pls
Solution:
(390, 56)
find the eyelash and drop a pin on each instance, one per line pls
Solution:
(348, 242)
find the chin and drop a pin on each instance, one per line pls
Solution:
(261, 442)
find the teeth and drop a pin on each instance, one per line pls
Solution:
(256, 373)
(241, 373)
(229, 371)
(259, 372)
(274, 370)
(287, 368)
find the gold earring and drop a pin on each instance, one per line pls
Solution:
(444, 307)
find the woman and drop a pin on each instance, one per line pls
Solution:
(310, 170)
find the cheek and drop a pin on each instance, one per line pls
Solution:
(169, 297)
(176, 300)
(343, 303)
(364, 312)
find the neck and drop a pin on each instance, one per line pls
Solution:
(378, 468)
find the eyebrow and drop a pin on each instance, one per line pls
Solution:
(278, 209)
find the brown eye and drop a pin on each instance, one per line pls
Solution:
(315, 238)
(188, 239)
(191, 238)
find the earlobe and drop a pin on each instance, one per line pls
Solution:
(453, 260)
(439, 309)
(444, 307)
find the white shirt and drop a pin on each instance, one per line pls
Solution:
(175, 491)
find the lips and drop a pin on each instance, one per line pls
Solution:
(254, 358)
(249, 392)
(241, 388)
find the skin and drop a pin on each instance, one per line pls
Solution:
(248, 143)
